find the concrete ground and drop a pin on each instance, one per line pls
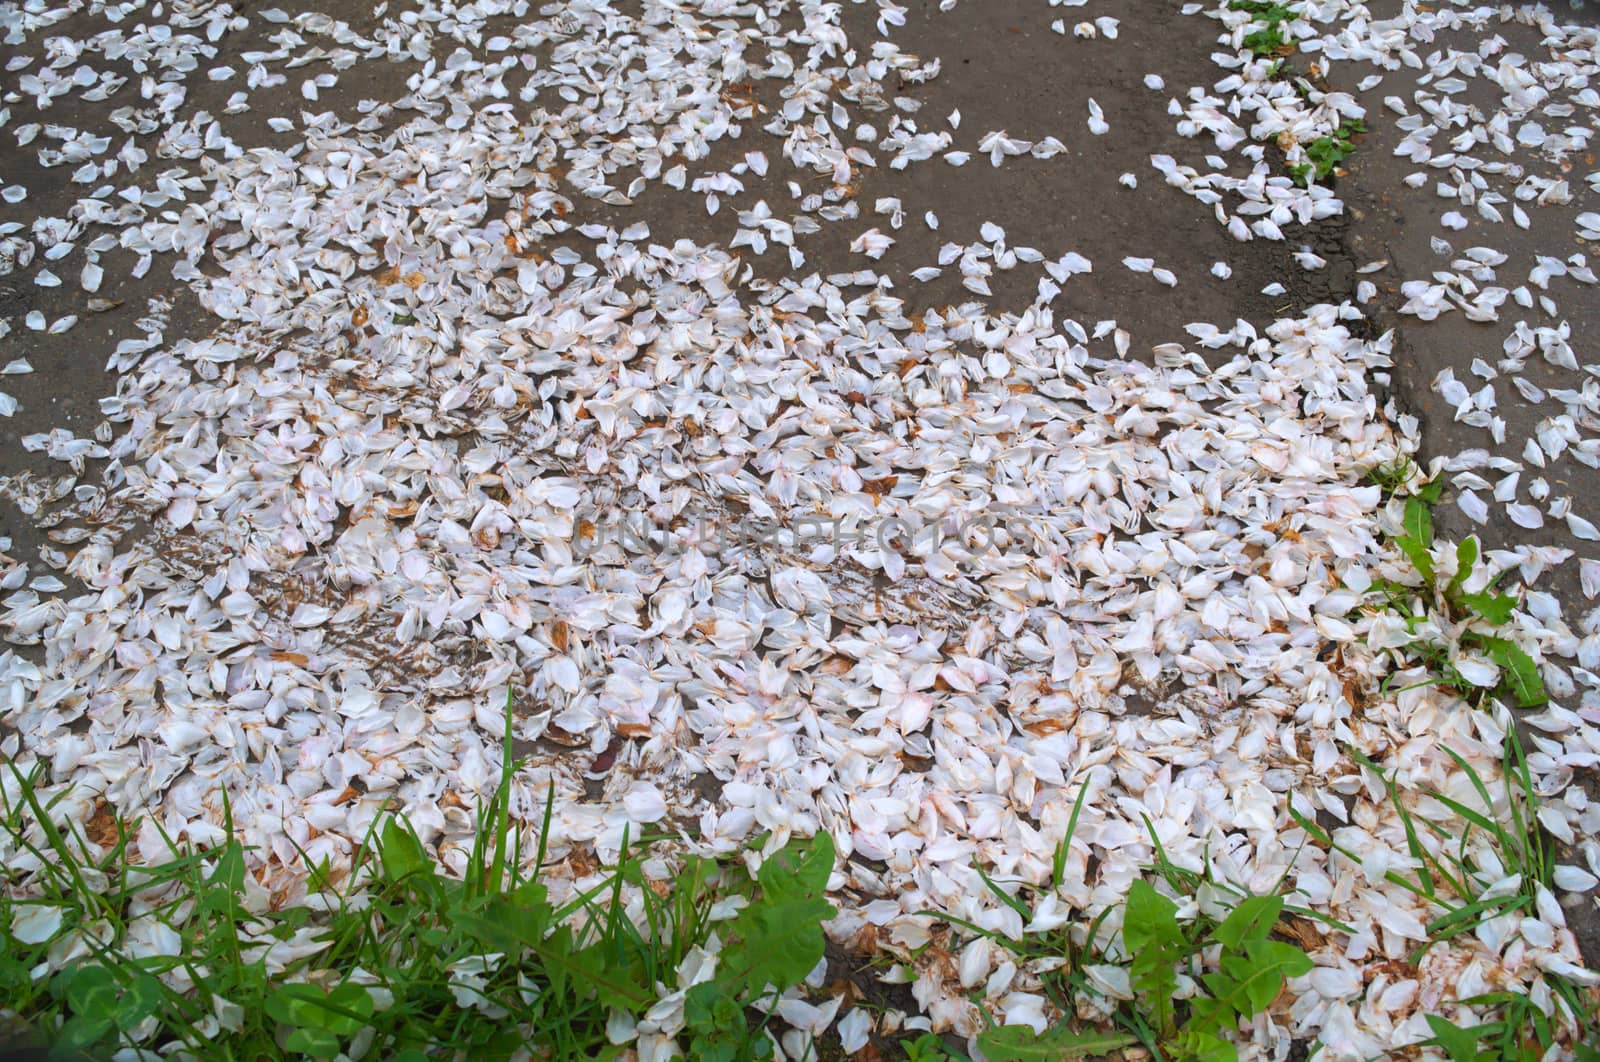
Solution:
(1003, 68)
(1393, 222)
(1390, 221)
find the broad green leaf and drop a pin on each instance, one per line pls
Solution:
(1492, 607)
(522, 926)
(495, 934)
(1152, 936)
(139, 1000)
(1419, 556)
(1261, 971)
(927, 1048)
(1460, 1044)
(1518, 672)
(354, 1001)
(1289, 960)
(503, 925)
(1206, 1047)
(783, 941)
(225, 884)
(1150, 919)
(82, 1032)
(400, 852)
(790, 874)
(717, 1021)
(92, 990)
(781, 930)
(1466, 558)
(1213, 1012)
(229, 872)
(1251, 920)
(1418, 522)
(1019, 1043)
(341, 1012)
(531, 894)
(713, 1051)
(701, 1004)
(318, 1043)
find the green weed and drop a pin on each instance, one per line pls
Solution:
(404, 962)
(401, 960)
(1236, 967)
(929, 1048)
(1476, 614)
(1459, 872)
(1396, 476)
(1269, 38)
(1324, 154)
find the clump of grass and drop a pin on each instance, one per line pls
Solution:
(929, 1048)
(1477, 615)
(1267, 37)
(1237, 965)
(1324, 154)
(1461, 875)
(1397, 475)
(400, 961)
(1454, 881)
